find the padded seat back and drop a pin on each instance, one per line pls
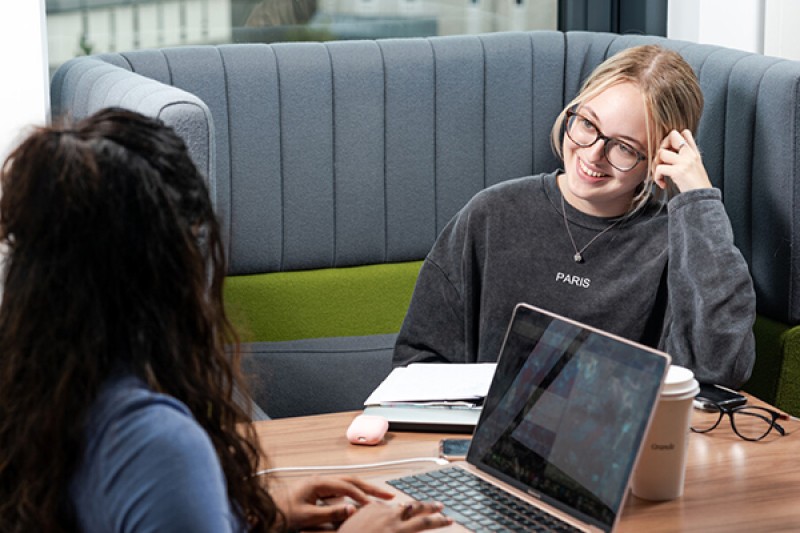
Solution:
(353, 153)
(329, 155)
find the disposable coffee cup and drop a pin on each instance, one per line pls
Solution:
(660, 472)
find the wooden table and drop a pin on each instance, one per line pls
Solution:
(731, 484)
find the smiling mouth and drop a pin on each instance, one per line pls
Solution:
(589, 172)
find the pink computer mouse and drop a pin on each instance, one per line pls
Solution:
(367, 429)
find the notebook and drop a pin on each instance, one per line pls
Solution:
(440, 397)
(436, 419)
(560, 430)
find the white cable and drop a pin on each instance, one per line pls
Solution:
(437, 460)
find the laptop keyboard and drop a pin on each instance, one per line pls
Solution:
(477, 504)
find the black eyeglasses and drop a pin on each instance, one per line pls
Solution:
(749, 422)
(585, 133)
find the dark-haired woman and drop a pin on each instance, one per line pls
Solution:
(116, 409)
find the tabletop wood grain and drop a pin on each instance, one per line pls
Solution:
(731, 484)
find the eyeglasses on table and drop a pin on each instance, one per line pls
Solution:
(750, 422)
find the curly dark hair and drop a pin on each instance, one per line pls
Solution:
(115, 262)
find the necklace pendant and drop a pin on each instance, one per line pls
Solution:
(578, 257)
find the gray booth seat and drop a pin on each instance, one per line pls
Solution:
(326, 156)
(312, 376)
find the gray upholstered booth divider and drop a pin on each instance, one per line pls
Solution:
(357, 153)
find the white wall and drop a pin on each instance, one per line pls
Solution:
(732, 23)
(765, 26)
(24, 94)
(781, 36)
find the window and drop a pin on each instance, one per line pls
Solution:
(79, 27)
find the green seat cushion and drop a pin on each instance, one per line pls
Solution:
(776, 374)
(373, 300)
(788, 395)
(334, 302)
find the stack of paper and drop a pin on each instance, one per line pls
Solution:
(434, 382)
(433, 396)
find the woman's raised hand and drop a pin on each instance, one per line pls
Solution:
(679, 159)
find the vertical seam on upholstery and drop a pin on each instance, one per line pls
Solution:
(484, 111)
(128, 61)
(751, 207)
(794, 208)
(564, 70)
(698, 74)
(385, 164)
(333, 150)
(533, 111)
(749, 185)
(435, 143)
(280, 158)
(790, 297)
(607, 50)
(724, 143)
(169, 66)
(230, 156)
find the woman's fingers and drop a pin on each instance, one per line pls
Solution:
(334, 487)
(404, 518)
(419, 516)
(678, 159)
(371, 489)
(415, 508)
(325, 514)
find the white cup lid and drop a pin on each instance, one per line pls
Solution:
(680, 382)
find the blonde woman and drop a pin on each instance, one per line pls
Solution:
(630, 236)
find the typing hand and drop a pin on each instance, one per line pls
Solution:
(678, 159)
(300, 503)
(405, 518)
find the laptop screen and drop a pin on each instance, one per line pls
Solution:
(566, 414)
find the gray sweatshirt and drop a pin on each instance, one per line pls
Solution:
(669, 278)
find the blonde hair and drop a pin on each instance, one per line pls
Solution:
(671, 93)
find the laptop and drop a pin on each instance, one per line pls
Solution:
(559, 434)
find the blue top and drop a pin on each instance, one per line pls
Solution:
(148, 466)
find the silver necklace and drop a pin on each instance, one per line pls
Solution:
(578, 257)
